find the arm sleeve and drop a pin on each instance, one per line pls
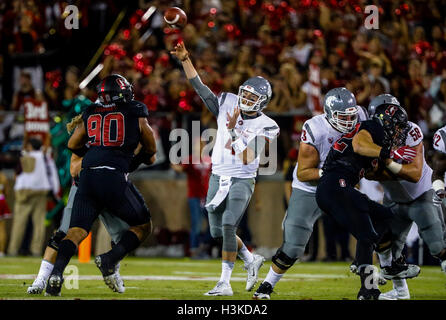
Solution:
(209, 98)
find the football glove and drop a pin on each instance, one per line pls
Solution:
(406, 154)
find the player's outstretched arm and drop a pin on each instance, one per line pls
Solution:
(308, 160)
(209, 98)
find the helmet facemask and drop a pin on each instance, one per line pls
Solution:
(344, 121)
(250, 100)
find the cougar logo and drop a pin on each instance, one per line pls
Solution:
(331, 100)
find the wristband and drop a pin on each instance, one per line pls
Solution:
(233, 134)
(394, 167)
(384, 153)
(438, 185)
(321, 172)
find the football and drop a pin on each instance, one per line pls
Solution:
(175, 17)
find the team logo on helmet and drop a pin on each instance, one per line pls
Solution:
(121, 83)
(390, 111)
(331, 100)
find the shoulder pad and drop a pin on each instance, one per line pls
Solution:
(138, 109)
(89, 109)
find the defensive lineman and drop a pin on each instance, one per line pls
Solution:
(114, 225)
(243, 131)
(318, 134)
(408, 192)
(113, 130)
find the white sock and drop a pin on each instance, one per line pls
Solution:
(400, 285)
(226, 271)
(245, 255)
(272, 277)
(45, 270)
(385, 258)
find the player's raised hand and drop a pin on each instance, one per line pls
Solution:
(180, 51)
(232, 120)
(405, 153)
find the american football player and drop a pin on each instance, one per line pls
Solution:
(243, 131)
(409, 194)
(115, 227)
(349, 159)
(318, 134)
(113, 129)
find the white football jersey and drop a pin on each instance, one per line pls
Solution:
(319, 133)
(403, 191)
(440, 140)
(224, 161)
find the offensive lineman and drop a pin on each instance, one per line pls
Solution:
(243, 131)
(113, 129)
(349, 159)
(409, 194)
(318, 134)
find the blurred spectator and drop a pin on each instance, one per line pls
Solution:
(5, 213)
(36, 177)
(25, 91)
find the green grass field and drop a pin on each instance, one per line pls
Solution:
(185, 279)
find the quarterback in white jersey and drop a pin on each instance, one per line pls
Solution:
(318, 134)
(408, 191)
(225, 159)
(243, 132)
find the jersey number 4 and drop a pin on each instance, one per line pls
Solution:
(340, 145)
(100, 129)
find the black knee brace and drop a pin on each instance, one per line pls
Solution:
(55, 240)
(219, 240)
(281, 260)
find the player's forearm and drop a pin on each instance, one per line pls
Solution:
(410, 173)
(367, 149)
(75, 165)
(189, 68)
(308, 174)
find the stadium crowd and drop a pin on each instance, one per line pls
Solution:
(304, 48)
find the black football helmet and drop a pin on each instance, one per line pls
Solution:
(393, 118)
(114, 89)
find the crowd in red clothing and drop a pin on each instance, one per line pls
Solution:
(303, 47)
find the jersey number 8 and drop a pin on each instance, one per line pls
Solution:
(100, 129)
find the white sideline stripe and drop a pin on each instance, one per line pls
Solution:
(176, 278)
(294, 275)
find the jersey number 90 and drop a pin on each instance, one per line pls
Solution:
(100, 133)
